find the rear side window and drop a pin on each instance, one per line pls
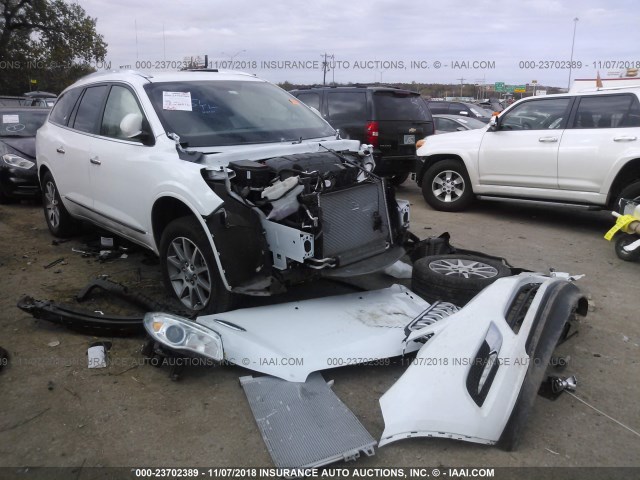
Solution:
(608, 111)
(90, 109)
(310, 99)
(438, 107)
(347, 106)
(458, 109)
(64, 106)
(398, 106)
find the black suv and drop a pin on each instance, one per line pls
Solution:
(390, 119)
(470, 110)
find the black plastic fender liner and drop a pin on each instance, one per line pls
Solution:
(83, 321)
(559, 304)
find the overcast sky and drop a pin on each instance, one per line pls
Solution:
(373, 40)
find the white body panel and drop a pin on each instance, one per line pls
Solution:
(291, 340)
(431, 397)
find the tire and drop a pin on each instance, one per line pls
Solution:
(624, 240)
(399, 179)
(455, 278)
(630, 192)
(446, 186)
(189, 268)
(60, 222)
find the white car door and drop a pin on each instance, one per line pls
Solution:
(121, 169)
(523, 152)
(604, 130)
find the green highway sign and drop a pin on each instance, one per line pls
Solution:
(499, 87)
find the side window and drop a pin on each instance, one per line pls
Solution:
(607, 111)
(88, 115)
(446, 125)
(64, 106)
(458, 109)
(310, 99)
(347, 106)
(121, 102)
(536, 115)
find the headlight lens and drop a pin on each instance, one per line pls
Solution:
(17, 161)
(178, 333)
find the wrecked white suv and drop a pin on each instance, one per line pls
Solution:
(237, 185)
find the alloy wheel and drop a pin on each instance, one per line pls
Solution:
(463, 268)
(448, 186)
(189, 273)
(51, 204)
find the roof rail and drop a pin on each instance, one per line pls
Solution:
(599, 89)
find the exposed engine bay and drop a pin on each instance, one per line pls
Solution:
(323, 210)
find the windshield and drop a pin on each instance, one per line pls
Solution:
(219, 113)
(471, 122)
(21, 123)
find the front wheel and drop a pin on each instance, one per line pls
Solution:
(446, 186)
(630, 192)
(60, 222)
(189, 268)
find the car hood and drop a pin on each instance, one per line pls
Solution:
(436, 143)
(25, 146)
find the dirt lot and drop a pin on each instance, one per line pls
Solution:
(56, 412)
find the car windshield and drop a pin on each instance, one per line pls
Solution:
(400, 106)
(21, 123)
(219, 113)
(478, 111)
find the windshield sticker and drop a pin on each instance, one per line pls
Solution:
(10, 119)
(176, 101)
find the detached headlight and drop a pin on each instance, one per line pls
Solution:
(178, 333)
(17, 161)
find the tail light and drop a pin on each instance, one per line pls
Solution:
(372, 133)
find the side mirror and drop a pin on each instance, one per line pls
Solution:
(464, 112)
(131, 125)
(494, 124)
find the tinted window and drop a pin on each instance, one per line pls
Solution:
(458, 109)
(121, 102)
(536, 115)
(446, 125)
(90, 108)
(21, 123)
(398, 106)
(347, 106)
(64, 106)
(607, 111)
(438, 107)
(310, 99)
(228, 112)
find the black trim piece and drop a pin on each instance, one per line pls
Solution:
(135, 229)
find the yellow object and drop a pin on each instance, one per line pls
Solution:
(621, 224)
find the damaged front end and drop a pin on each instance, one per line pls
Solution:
(478, 374)
(303, 215)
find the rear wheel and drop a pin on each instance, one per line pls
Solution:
(446, 186)
(60, 222)
(189, 268)
(399, 179)
(630, 192)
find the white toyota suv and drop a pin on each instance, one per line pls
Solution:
(237, 185)
(579, 148)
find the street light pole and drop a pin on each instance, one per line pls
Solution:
(575, 24)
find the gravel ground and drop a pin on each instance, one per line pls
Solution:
(56, 412)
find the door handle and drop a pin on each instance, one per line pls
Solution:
(548, 139)
(95, 161)
(624, 138)
(60, 150)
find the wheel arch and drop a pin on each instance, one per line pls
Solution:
(627, 175)
(167, 209)
(433, 159)
(42, 171)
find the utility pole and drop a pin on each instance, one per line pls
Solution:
(575, 24)
(325, 67)
(461, 85)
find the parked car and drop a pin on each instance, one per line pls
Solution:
(390, 119)
(492, 104)
(39, 99)
(18, 174)
(238, 186)
(580, 148)
(470, 110)
(456, 123)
